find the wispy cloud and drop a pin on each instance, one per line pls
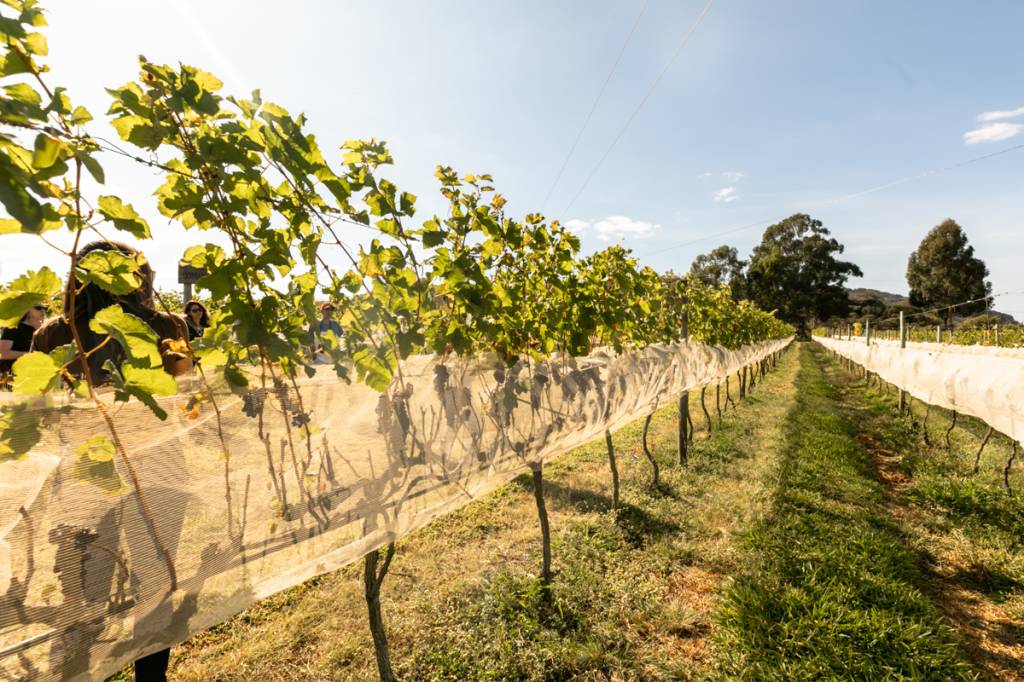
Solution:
(999, 115)
(705, 174)
(612, 227)
(733, 176)
(724, 195)
(993, 132)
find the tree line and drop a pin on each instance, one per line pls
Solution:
(796, 270)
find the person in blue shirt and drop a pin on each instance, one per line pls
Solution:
(325, 324)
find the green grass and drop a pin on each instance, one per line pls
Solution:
(831, 588)
(965, 524)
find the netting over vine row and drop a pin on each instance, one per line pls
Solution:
(981, 381)
(101, 563)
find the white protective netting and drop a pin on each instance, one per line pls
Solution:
(982, 381)
(276, 486)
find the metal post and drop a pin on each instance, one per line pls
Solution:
(903, 344)
(684, 404)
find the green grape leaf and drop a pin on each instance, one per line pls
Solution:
(137, 130)
(47, 150)
(135, 336)
(95, 465)
(80, 116)
(35, 373)
(124, 217)
(99, 448)
(93, 166)
(207, 256)
(35, 43)
(112, 271)
(432, 238)
(19, 431)
(373, 370)
(144, 384)
(31, 289)
(211, 358)
(152, 381)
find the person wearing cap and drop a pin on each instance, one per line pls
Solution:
(325, 324)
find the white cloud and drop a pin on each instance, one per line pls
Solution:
(724, 195)
(997, 115)
(612, 227)
(705, 174)
(733, 176)
(576, 225)
(993, 132)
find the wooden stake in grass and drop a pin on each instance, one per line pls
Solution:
(952, 425)
(718, 402)
(707, 417)
(655, 472)
(1006, 469)
(613, 466)
(977, 457)
(545, 529)
(373, 577)
(684, 416)
(924, 424)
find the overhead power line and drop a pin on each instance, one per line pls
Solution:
(629, 121)
(597, 100)
(840, 199)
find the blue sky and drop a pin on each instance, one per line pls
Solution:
(770, 108)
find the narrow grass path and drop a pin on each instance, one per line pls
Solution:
(969, 529)
(634, 597)
(831, 589)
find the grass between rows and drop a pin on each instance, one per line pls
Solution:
(967, 526)
(634, 597)
(831, 587)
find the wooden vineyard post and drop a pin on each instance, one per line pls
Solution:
(867, 332)
(938, 333)
(996, 334)
(610, 445)
(684, 404)
(1006, 469)
(903, 344)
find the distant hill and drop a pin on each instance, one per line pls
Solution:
(860, 296)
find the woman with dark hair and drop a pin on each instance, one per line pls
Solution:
(91, 299)
(197, 318)
(93, 571)
(16, 341)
